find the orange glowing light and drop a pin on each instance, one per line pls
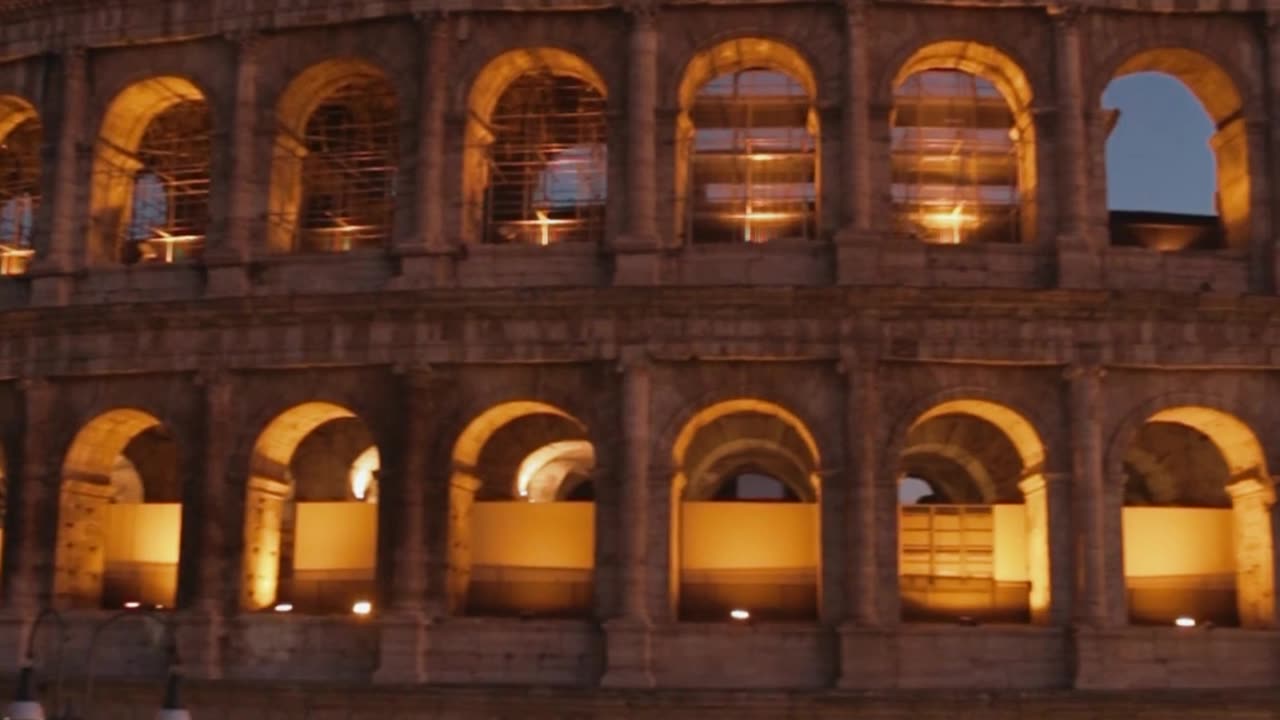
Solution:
(362, 608)
(949, 222)
(170, 241)
(544, 223)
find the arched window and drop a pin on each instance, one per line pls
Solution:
(955, 160)
(521, 548)
(120, 515)
(547, 162)
(312, 527)
(1197, 521)
(753, 159)
(19, 194)
(1177, 154)
(349, 168)
(151, 173)
(745, 526)
(973, 517)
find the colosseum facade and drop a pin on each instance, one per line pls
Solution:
(414, 358)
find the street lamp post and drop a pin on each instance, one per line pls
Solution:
(25, 706)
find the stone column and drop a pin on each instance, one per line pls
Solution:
(1077, 248)
(1273, 168)
(855, 245)
(1251, 503)
(434, 103)
(871, 528)
(226, 259)
(30, 533)
(403, 646)
(628, 655)
(857, 109)
(424, 254)
(51, 270)
(1097, 506)
(1046, 499)
(207, 549)
(865, 529)
(637, 259)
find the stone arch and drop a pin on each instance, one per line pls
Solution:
(277, 515)
(1218, 91)
(711, 572)
(116, 161)
(1247, 481)
(14, 111)
(294, 110)
(482, 98)
(1018, 422)
(995, 65)
(21, 160)
(919, 454)
(1000, 590)
(731, 55)
(109, 550)
(510, 464)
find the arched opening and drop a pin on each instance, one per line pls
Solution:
(1177, 154)
(151, 174)
(523, 514)
(1197, 521)
(334, 170)
(311, 527)
(963, 147)
(21, 135)
(536, 157)
(745, 522)
(119, 515)
(973, 538)
(747, 145)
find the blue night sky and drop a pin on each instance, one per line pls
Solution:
(1158, 157)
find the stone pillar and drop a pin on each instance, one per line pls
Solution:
(865, 527)
(403, 645)
(207, 508)
(51, 270)
(1079, 264)
(227, 258)
(1272, 173)
(856, 251)
(423, 255)
(637, 260)
(628, 654)
(857, 110)
(1048, 546)
(1097, 507)
(871, 527)
(1251, 504)
(30, 532)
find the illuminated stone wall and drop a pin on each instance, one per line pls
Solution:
(836, 364)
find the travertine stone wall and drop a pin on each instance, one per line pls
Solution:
(856, 335)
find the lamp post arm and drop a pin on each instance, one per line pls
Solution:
(166, 627)
(29, 657)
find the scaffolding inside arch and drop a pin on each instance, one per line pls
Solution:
(753, 166)
(167, 178)
(19, 195)
(547, 163)
(349, 169)
(954, 160)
